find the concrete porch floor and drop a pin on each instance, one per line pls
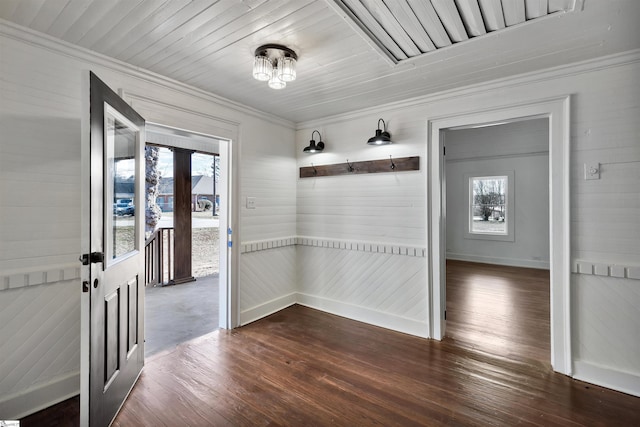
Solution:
(178, 313)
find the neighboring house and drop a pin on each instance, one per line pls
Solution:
(124, 190)
(189, 76)
(201, 188)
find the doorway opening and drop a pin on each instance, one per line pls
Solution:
(497, 238)
(182, 301)
(557, 112)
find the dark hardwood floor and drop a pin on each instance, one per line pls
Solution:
(302, 367)
(504, 311)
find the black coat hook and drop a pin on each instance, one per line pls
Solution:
(393, 165)
(350, 166)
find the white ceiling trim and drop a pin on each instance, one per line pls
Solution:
(589, 65)
(36, 38)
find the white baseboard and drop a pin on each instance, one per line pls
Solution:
(366, 315)
(269, 307)
(40, 396)
(607, 377)
(511, 262)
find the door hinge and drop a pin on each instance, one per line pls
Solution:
(444, 151)
(92, 258)
(445, 315)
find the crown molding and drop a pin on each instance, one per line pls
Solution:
(35, 38)
(567, 70)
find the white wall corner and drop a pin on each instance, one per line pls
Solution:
(263, 310)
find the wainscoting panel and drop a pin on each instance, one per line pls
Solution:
(40, 346)
(385, 289)
(606, 314)
(267, 282)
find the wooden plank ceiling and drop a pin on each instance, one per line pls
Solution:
(403, 29)
(353, 54)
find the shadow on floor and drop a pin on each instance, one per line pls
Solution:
(175, 314)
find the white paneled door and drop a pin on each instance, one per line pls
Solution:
(113, 255)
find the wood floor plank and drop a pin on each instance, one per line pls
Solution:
(303, 367)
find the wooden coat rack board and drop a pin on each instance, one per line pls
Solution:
(368, 166)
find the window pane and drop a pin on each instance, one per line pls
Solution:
(120, 147)
(488, 213)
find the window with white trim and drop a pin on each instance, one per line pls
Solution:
(491, 207)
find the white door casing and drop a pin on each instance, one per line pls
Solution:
(227, 132)
(557, 111)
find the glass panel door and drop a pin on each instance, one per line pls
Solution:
(121, 139)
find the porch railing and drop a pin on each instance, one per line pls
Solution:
(158, 257)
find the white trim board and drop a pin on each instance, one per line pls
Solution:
(263, 310)
(511, 262)
(228, 134)
(607, 377)
(621, 271)
(47, 276)
(364, 314)
(40, 397)
(557, 111)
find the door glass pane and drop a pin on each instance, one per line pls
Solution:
(120, 213)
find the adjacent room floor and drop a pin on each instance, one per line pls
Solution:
(501, 310)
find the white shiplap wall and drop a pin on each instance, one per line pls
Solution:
(604, 128)
(40, 116)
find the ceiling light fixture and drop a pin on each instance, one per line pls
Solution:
(276, 64)
(382, 137)
(313, 147)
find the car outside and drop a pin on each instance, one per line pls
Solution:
(124, 208)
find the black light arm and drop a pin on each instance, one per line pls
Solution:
(381, 137)
(313, 146)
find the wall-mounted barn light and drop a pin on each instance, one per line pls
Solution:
(381, 137)
(313, 146)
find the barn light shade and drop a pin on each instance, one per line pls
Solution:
(313, 146)
(276, 64)
(382, 137)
